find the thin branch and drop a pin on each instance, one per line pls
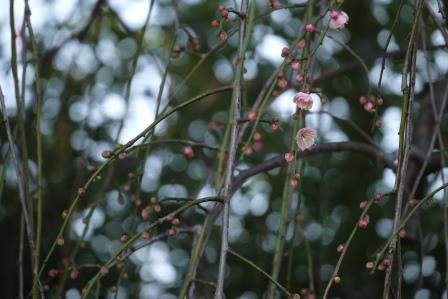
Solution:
(355, 147)
(123, 248)
(234, 115)
(21, 187)
(408, 88)
(253, 265)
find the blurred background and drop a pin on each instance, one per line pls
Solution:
(101, 65)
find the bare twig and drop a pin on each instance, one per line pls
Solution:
(234, 115)
(21, 187)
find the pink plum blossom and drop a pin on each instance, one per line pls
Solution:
(338, 19)
(303, 101)
(306, 137)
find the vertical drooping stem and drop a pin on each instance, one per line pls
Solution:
(39, 103)
(20, 114)
(437, 117)
(408, 84)
(290, 172)
(234, 116)
(21, 187)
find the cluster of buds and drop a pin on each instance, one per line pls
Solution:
(370, 103)
(224, 13)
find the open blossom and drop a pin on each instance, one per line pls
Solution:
(306, 137)
(303, 101)
(338, 19)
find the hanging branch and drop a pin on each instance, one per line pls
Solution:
(408, 89)
(234, 115)
(21, 187)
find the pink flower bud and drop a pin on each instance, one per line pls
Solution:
(248, 150)
(252, 115)
(334, 14)
(257, 146)
(289, 157)
(224, 13)
(145, 235)
(285, 52)
(274, 127)
(362, 204)
(53, 273)
(364, 222)
(74, 274)
(282, 83)
(188, 152)
(299, 78)
(295, 65)
(362, 100)
(300, 44)
(124, 238)
(294, 183)
(309, 28)
(378, 197)
(145, 212)
(369, 107)
(214, 24)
